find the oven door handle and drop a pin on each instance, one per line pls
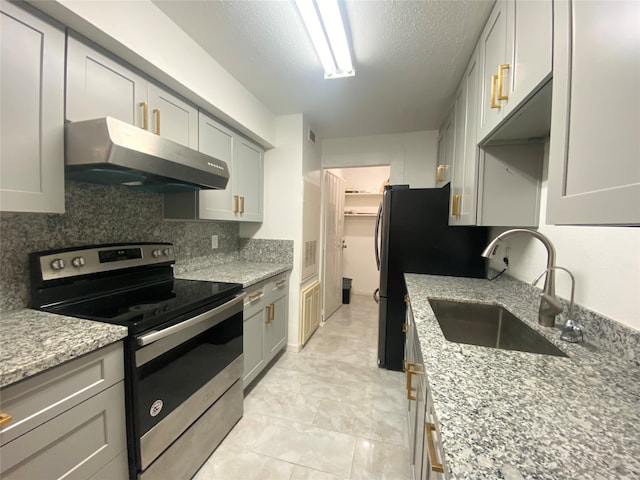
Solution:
(156, 335)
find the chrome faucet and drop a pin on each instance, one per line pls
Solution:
(572, 331)
(550, 306)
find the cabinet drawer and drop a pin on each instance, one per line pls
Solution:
(76, 444)
(255, 299)
(38, 399)
(278, 287)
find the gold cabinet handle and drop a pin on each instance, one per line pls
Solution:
(156, 112)
(440, 173)
(455, 207)
(280, 283)
(273, 312)
(268, 320)
(494, 79)
(145, 115)
(435, 465)
(5, 418)
(404, 328)
(235, 201)
(501, 70)
(253, 296)
(242, 204)
(410, 372)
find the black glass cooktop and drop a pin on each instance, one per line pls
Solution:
(147, 307)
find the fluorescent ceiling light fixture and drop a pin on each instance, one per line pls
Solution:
(324, 24)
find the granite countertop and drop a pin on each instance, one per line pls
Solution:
(514, 415)
(32, 341)
(246, 273)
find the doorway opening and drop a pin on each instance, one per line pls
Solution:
(351, 198)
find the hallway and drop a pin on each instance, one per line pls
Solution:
(325, 413)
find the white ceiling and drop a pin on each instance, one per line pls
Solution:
(408, 57)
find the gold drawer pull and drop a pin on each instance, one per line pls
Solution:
(501, 69)
(410, 372)
(455, 207)
(5, 418)
(494, 79)
(280, 283)
(242, 204)
(235, 201)
(253, 296)
(435, 465)
(440, 173)
(268, 320)
(145, 115)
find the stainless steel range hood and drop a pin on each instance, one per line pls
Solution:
(109, 151)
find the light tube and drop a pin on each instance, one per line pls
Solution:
(312, 22)
(332, 20)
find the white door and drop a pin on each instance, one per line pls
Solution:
(333, 206)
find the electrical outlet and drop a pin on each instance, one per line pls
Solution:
(214, 242)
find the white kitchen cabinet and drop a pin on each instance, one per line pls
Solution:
(68, 421)
(515, 58)
(594, 171)
(32, 109)
(242, 199)
(425, 447)
(99, 85)
(266, 308)
(446, 142)
(464, 182)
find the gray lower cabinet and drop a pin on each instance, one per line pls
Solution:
(32, 109)
(425, 447)
(266, 308)
(67, 422)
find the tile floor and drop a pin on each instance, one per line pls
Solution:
(325, 413)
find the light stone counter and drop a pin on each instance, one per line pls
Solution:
(514, 415)
(32, 341)
(246, 273)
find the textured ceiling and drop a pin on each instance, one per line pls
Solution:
(408, 56)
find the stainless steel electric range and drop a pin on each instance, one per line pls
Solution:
(183, 354)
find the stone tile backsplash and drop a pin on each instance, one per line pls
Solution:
(98, 214)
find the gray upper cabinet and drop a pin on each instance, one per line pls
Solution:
(32, 106)
(98, 85)
(446, 140)
(242, 200)
(594, 166)
(515, 58)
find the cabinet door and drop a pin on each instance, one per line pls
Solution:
(446, 142)
(493, 53)
(529, 37)
(594, 173)
(218, 141)
(75, 444)
(253, 345)
(32, 106)
(275, 328)
(464, 184)
(418, 445)
(98, 86)
(171, 117)
(248, 168)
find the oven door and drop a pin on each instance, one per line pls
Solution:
(181, 371)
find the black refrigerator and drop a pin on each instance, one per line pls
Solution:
(413, 236)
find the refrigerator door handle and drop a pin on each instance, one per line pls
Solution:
(377, 235)
(376, 295)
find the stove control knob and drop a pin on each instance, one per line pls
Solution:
(57, 264)
(78, 262)
(166, 252)
(156, 253)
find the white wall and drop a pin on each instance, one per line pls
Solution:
(604, 260)
(412, 156)
(369, 179)
(140, 33)
(283, 200)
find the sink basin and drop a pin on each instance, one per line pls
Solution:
(489, 326)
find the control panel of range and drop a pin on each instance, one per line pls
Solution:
(85, 260)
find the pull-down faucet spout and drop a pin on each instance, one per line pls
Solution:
(549, 307)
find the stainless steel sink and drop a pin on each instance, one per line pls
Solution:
(489, 326)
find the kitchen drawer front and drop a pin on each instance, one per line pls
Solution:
(76, 444)
(38, 399)
(278, 287)
(256, 299)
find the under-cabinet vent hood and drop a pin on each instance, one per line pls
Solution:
(110, 151)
